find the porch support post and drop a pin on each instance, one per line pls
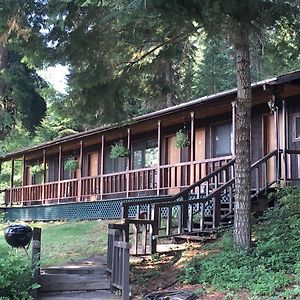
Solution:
(12, 173)
(44, 176)
(159, 156)
(12, 180)
(80, 171)
(23, 179)
(192, 171)
(284, 140)
(128, 162)
(102, 166)
(59, 172)
(233, 103)
(277, 164)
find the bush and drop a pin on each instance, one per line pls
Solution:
(273, 262)
(15, 276)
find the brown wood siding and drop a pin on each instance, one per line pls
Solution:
(293, 108)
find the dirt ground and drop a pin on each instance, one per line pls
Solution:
(163, 272)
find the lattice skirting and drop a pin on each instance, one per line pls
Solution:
(105, 209)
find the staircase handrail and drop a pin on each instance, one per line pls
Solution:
(263, 159)
(186, 190)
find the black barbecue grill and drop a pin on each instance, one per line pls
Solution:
(18, 236)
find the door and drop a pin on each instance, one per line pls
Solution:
(172, 174)
(176, 176)
(200, 169)
(269, 144)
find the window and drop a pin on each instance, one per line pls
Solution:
(145, 154)
(113, 165)
(297, 128)
(221, 139)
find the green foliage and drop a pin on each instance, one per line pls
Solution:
(15, 277)
(37, 169)
(119, 150)
(71, 164)
(181, 139)
(273, 262)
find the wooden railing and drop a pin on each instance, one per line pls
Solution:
(118, 259)
(201, 207)
(172, 178)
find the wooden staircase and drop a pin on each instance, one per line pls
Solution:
(198, 211)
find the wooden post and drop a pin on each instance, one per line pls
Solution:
(102, 166)
(59, 172)
(284, 141)
(128, 163)
(277, 163)
(44, 176)
(36, 257)
(12, 180)
(159, 156)
(233, 103)
(192, 170)
(12, 173)
(23, 180)
(80, 171)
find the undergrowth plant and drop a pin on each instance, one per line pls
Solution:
(15, 275)
(273, 263)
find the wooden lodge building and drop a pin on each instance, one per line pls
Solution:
(152, 166)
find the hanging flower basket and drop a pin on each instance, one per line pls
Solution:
(37, 169)
(71, 164)
(119, 150)
(182, 139)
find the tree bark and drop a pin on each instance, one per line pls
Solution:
(168, 82)
(242, 206)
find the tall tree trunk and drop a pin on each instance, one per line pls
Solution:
(3, 65)
(6, 110)
(168, 82)
(242, 206)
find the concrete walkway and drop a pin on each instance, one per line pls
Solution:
(83, 279)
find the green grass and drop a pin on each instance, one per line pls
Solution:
(271, 269)
(66, 241)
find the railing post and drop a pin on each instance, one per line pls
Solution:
(102, 166)
(159, 156)
(185, 212)
(80, 172)
(128, 163)
(154, 229)
(192, 170)
(59, 172)
(36, 256)
(217, 210)
(44, 176)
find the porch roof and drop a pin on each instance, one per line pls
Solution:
(280, 80)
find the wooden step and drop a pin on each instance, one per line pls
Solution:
(79, 295)
(73, 282)
(195, 238)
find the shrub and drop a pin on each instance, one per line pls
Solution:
(15, 276)
(273, 262)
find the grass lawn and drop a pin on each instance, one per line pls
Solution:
(66, 241)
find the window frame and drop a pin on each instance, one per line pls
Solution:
(212, 126)
(295, 137)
